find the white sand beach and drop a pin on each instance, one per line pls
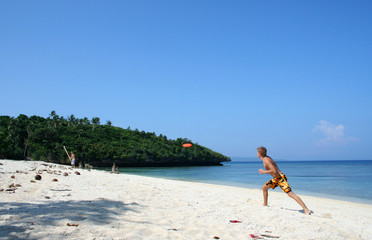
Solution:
(101, 205)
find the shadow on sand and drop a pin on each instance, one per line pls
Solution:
(19, 219)
(300, 211)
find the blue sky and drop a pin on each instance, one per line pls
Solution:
(294, 76)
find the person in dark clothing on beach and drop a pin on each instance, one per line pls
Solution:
(279, 179)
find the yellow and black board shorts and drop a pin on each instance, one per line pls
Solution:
(280, 181)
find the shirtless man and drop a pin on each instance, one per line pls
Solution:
(279, 179)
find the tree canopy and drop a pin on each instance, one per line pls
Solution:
(38, 138)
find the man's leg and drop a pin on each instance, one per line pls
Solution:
(299, 201)
(265, 194)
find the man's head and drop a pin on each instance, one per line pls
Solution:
(261, 152)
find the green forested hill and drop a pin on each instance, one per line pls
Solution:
(39, 138)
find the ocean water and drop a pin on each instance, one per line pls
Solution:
(342, 180)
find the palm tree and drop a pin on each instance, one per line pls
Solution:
(96, 121)
(29, 128)
(86, 121)
(55, 118)
(71, 119)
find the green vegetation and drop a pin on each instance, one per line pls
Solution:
(39, 138)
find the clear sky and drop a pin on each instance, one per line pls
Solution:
(294, 76)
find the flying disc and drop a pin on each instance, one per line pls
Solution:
(187, 145)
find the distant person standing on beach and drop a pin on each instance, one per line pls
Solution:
(72, 159)
(279, 179)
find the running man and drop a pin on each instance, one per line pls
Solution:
(279, 179)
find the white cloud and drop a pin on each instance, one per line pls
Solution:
(333, 134)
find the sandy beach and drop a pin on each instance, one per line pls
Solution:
(72, 203)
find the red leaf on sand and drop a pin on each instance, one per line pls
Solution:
(235, 221)
(253, 236)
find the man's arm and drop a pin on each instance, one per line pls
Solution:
(268, 165)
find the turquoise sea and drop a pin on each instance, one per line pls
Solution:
(342, 180)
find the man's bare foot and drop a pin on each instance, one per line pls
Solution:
(308, 212)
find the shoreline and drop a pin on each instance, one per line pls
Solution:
(251, 187)
(246, 181)
(127, 206)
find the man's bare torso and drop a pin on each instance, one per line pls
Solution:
(269, 164)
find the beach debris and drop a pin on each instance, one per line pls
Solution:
(269, 236)
(77, 173)
(46, 197)
(33, 181)
(235, 221)
(1, 189)
(60, 190)
(11, 190)
(37, 177)
(326, 215)
(12, 176)
(72, 224)
(215, 237)
(254, 236)
(65, 174)
(172, 229)
(14, 185)
(54, 180)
